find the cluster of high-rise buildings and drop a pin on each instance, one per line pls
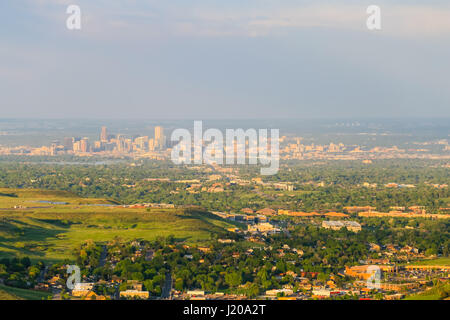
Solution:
(114, 143)
(291, 147)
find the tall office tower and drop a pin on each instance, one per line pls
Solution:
(54, 147)
(142, 143)
(128, 145)
(85, 145)
(120, 143)
(104, 135)
(160, 140)
(68, 143)
(151, 144)
(98, 146)
(77, 146)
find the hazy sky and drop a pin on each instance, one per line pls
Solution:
(224, 59)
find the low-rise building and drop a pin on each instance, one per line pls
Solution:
(264, 227)
(275, 292)
(82, 289)
(337, 225)
(134, 294)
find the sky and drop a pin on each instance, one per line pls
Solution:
(215, 59)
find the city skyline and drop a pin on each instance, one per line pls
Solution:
(293, 147)
(112, 143)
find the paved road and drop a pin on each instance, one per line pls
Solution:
(103, 256)
(41, 276)
(167, 288)
(56, 294)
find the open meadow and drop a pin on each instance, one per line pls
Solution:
(49, 225)
(10, 293)
(443, 261)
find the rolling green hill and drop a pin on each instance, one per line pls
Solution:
(7, 296)
(436, 262)
(10, 293)
(439, 292)
(50, 231)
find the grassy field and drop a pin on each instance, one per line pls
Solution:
(7, 296)
(10, 293)
(437, 262)
(51, 232)
(432, 294)
(30, 197)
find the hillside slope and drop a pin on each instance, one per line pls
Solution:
(49, 225)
